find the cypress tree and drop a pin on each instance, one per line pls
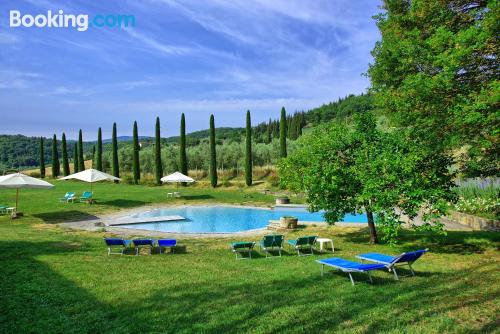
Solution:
(135, 161)
(114, 148)
(158, 166)
(283, 133)
(76, 165)
(81, 161)
(213, 154)
(42, 159)
(248, 155)
(93, 157)
(289, 127)
(98, 158)
(64, 155)
(56, 168)
(269, 132)
(183, 158)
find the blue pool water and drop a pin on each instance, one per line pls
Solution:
(225, 219)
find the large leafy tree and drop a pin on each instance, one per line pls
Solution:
(345, 169)
(436, 71)
(248, 151)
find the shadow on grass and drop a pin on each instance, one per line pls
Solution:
(123, 203)
(36, 298)
(196, 197)
(454, 242)
(64, 216)
(284, 305)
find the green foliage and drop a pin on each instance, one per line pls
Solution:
(436, 72)
(136, 167)
(213, 154)
(158, 165)
(114, 152)
(283, 152)
(65, 162)
(248, 151)
(56, 168)
(42, 159)
(183, 157)
(363, 169)
(76, 164)
(81, 160)
(98, 160)
(479, 196)
(341, 109)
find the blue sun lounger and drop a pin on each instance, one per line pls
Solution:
(116, 242)
(390, 262)
(349, 267)
(164, 243)
(147, 243)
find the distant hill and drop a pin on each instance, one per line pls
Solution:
(124, 139)
(21, 152)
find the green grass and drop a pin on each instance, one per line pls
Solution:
(60, 281)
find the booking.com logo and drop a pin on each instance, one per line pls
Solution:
(61, 20)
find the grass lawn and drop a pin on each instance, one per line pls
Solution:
(59, 281)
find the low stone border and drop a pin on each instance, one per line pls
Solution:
(475, 222)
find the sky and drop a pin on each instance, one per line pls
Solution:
(219, 57)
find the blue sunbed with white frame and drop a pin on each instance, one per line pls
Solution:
(167, 243)
(390, 262)
(349, 267)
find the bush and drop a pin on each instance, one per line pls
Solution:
(479, 196)
(35, 174)
(488, 207)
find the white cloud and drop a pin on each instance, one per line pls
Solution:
(8, 38)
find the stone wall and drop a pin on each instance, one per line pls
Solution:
(475, 222)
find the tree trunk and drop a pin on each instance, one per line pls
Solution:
(371, 226)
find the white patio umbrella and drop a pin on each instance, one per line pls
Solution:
(91, 176)
(18, 181)
(177, 178)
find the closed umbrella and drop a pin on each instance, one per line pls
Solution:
(18, 181)
(91, 176)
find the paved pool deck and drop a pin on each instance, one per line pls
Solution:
(111, 223)
(108, 223)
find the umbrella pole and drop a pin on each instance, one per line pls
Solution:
(17, 198)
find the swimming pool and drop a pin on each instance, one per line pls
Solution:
(224, 219)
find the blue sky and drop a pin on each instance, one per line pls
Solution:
(197, 57)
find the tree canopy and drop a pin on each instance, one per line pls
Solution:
(346, 169)
(436, 72)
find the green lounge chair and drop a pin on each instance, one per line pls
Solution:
(69, 196)
(272, 243)
(3, 209)
(303, 243)
(86, 197)
(242, 247)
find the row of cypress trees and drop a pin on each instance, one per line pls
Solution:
(79, 163)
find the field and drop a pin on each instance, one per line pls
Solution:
(61, 281)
